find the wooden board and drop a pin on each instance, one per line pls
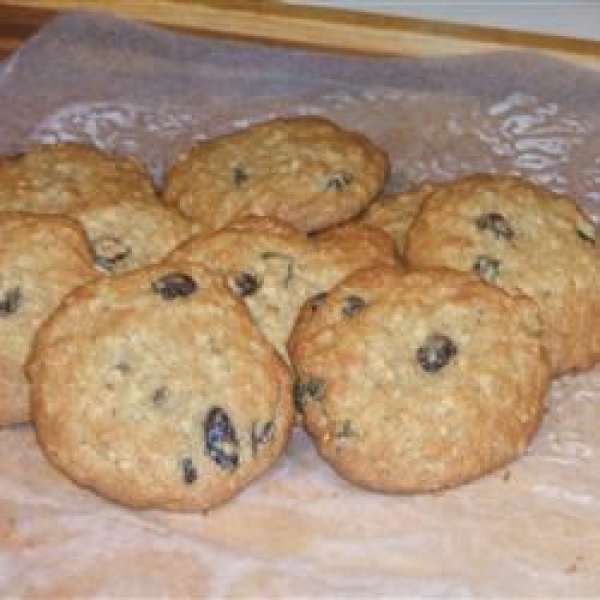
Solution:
(273, 22)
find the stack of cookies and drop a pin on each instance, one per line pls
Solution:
(164, 342)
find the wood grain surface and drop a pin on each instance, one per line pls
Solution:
(273, 22)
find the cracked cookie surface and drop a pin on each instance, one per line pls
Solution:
(275, 268)
(524, 239)
(432, 379)
(42, 258)
(55, 178)
(304, 170)
(169, 397)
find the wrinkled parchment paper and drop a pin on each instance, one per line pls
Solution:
(530, 530)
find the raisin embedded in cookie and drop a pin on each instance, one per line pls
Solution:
(155, 389)
(132, 234)
(56, 178)
(275, 268)
(42, 258)
(304, 170)
(395, 213)
(418, 381)
(524, 239)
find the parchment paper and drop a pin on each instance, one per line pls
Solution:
(531, 530)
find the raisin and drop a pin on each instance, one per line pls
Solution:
(317, 301)
(495, 223)
(14, 156)
(587, 232)
(123, 367)
(337, 181)
(353, 305)
(238, 175)
(262, 435)
(220, 439)
(487, 268)
(436, 352)
(174, 285)
(160, 396)
(344, 430)
(312, 388)
(245, 284)
(269, 255)
(343, 433)
(286, 260)
(190, 474)
(11, 302)
(108, 251)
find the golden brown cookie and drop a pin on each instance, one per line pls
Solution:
(304, 170)
(276, 268)
(56, 178)
(155, 389)
(418, 381)
(524, 239)
(42, 258)
(132, 234)
(395, 213)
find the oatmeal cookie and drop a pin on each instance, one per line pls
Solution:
(56, 178)
(275, 268)
(395, 213)
(42, 258)
(168, 396)
(303, 170)
(418, 381)
(524, 239)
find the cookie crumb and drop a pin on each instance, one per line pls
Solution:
(574, 566)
